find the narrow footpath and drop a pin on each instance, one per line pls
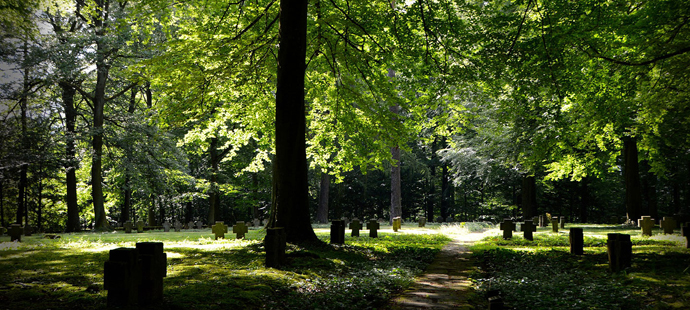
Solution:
(445, 283)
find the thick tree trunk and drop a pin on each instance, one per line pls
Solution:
(127, 201)
(445, 192)
(213, 199)
(632, 179)
(71, 162)
(584, 200)
(529, 196)
(290, 183)
(396, 193)
(432, 186)
(322, 209)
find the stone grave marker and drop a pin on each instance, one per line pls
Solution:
(274, 242)
(128, 227)
(528, 228)
(199, 225)
(140, 226)
(422, 221)
(449, 219)
(535, 221)
(28, 230)
(439, 219)
(190, 225)
(240, 229)
(562, 221)
(15, 232)
(219, 229)
(668, 224)
(373, 227)
(396, 223)
(355, 225)
(381, 221)
(166, 226)
(542, 221)
(554, 224)
(135, 276)
(264, 222)
(337, 232)
(619, 249)
(256, 223)
(153, 269)
(177, 226)
(646, 223)
(507, 227)
(577, 241)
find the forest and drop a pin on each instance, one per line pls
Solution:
(295, 110)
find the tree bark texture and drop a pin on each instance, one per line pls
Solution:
(632, 179)
(322, 209)
(396, 193)
(213, 199)
(290, 183)
(529, 196)
(68, 93)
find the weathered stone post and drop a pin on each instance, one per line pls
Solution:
(528, 228)
(554, 224)
(397, 223)
(507, 227)
(121, 277)
(577, 241)
(337, 232)
(373, 227)
(15, 232)
(153, 269)
(620, 251)
(274, 242)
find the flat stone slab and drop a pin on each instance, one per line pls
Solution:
(445, 283)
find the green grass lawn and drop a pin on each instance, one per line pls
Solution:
(203, 273)
(541, 274)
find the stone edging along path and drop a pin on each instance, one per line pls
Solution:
(445, 283)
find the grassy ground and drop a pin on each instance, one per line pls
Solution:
(203, 273)
(541, 274)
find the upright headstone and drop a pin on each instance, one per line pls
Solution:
(128, 227)
(219, 230)
(668, 224)
(28, 230)
(562, 221)
(554, 224)
(397, 223)
(190, 225)
(122, 277)
(337, 232)
(542, 221)
(439, 219)
(177, 226)
(373, 227)
(528, 228)
(274, 242)
(646, 223)
(422, 221)
(507, 227)
(355, 226)
(140, 226)
(449, 219)
(577, 241)
(240, 229)
(15, 232)
(619, 249)
(166, 226)
(256, 223)
(685, 232)
(199, 225)
(153, 269)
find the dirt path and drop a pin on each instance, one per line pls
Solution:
(445, 283)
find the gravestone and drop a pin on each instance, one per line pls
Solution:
(177, 226)
(562, 221)
(397, 223)
(449, 219)
(337, 232)
(577, 241)
(355, 226)
(140, 226)
(439, 219)
(542, 221)
(166, 226)
(219, 229)
(685, 232)
(15, 232)
(128, 227)
(190, 225)
(240, 229)
(668, 224)
(554, 224)
(646, 223)
(422, 221)
(135, 276)
(535, 221)
(199, 225)
(274, 242)
(373, 227)
(528, 228)
(619, 250)
(507, 227)
(256, 223)
(28, 230)
(264, 222)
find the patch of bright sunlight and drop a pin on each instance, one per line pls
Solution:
(213, 245)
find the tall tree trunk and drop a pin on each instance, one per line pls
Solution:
(632, 180)
(290, 183)
(213, 199)
(322, 209)
(151, 214)
(24, 166)
(39, 204)
(68, 92)
(255, 194)
(584, 200)
(127, 201)
(445, 192)
(396, 193)
(432, 184)
(529, 196)
(102, 69)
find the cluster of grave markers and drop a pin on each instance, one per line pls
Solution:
(16, 231)
(135, 275)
